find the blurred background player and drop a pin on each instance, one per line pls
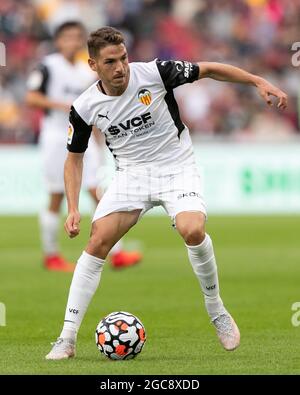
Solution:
(53, 86)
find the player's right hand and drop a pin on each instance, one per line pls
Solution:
(72, 224)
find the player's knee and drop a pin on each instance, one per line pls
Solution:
(98, 246)
(193, 235)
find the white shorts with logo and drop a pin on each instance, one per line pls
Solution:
(53, 155)
(176, 190)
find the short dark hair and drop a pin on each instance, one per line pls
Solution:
(103, 37)
(68, 25)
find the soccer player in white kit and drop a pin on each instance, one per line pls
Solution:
(53, 86)
(134, 106)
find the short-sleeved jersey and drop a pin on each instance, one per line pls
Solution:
(143, 125)
(63, 82)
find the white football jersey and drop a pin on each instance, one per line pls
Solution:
(61, 81)
(142, 126)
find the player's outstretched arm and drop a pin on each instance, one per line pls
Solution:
(73, 176)
(226, 72)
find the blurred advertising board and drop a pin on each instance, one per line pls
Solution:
(239, 178)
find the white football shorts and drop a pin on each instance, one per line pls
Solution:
(53, 153)
(176, 190)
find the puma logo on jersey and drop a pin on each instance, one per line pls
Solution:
(104, 116)
(135, 122)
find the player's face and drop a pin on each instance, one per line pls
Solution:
(112, 66)
(70, 41)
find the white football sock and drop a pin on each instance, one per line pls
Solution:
(85, 281)
(204, 265)
(49, 226)
(117, 247)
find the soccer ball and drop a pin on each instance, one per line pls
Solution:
(120, 335)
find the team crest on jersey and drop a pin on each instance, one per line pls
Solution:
(144, 96)
(70, 133)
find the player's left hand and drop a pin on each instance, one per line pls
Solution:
(266, 89)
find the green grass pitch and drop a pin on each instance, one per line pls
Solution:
(259, 269)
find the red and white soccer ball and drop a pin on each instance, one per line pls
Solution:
(120, 335)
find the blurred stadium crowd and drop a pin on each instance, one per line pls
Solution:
(254, 34)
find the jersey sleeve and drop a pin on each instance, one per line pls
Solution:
(79, 132)
(176, 72)
(38, 79)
